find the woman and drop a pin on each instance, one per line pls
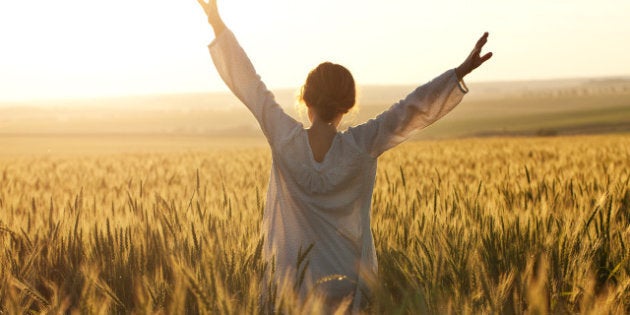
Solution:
(316, 221)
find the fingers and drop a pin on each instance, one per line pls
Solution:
(477, 50)
(204, 5)
(482, 41)
(485, 57)
(476, 59)
(209, 6)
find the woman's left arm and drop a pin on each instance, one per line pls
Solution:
(239, 75)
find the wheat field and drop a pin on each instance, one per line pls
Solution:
(498, 225)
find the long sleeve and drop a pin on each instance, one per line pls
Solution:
(239, 75)
(425, 105)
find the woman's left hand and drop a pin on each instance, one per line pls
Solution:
(214, 18)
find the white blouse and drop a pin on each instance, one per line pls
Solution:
(327, 204)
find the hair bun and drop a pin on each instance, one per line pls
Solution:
(329, 90)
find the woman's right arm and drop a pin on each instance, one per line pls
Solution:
(425, 105)
(239, 75)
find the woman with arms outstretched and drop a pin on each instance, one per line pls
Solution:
(321, 182)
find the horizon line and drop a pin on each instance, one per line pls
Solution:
(24, 101)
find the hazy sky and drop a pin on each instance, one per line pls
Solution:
(85, 48)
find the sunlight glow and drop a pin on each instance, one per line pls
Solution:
(74, 48)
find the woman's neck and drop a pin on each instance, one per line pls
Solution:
(320, 138)
(322, 126)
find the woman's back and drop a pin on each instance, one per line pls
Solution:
(324, 207)
(316, 222)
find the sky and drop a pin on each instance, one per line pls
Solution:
(84, 48)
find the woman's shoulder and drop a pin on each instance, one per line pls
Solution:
(350, 140)
(289, 137)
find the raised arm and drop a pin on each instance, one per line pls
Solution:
(239, 75)
(420, 108)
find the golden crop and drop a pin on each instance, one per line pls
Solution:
(530, 225)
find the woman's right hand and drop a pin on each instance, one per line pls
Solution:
(214, 18)
(475, 59)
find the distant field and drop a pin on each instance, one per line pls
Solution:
(561, 107)
(562, 115)
(153, 205)
(94, 144)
